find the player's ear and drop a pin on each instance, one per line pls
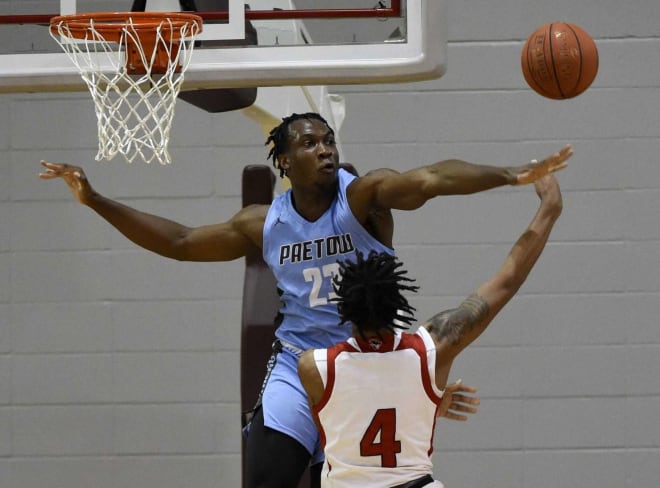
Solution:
(283, 162)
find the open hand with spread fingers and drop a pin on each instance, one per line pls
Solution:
(531, 172)
(454, 402)
(74, 177)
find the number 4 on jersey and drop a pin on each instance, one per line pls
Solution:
(383, 423)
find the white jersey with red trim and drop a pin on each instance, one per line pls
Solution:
(377, 413)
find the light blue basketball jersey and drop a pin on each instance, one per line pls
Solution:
(303, 257)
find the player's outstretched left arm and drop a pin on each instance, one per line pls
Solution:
(411, 189)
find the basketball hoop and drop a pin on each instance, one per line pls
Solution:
(133, 64)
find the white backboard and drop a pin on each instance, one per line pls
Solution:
(291, 51)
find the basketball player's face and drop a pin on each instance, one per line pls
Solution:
(312, 154)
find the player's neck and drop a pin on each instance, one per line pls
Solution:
(370, 341)
(311, 205)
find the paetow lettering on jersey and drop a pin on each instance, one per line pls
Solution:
(317, 249)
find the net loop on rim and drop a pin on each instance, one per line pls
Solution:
(133, 64)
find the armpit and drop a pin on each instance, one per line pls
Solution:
(452, 325)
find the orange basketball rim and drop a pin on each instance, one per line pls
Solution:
(142, 32)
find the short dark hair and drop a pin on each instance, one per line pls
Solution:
(369, 293)
(279, 136)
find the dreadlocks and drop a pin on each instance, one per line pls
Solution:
(279, 136)
(369, 293)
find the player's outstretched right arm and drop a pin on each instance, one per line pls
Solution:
(455, 329)
(220, 242)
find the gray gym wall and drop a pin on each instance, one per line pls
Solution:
(120, 369)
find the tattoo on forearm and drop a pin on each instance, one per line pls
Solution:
(451, 325)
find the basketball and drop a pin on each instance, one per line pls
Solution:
(559, 60)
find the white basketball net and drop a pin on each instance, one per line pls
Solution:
(134, 112)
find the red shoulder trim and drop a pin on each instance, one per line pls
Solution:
(331, 355)
(416, 342)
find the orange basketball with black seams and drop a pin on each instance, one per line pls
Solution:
(559, 60)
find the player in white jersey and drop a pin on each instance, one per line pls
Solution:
(375, 397)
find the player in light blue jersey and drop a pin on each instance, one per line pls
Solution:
(302, 234)
(303, 257)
